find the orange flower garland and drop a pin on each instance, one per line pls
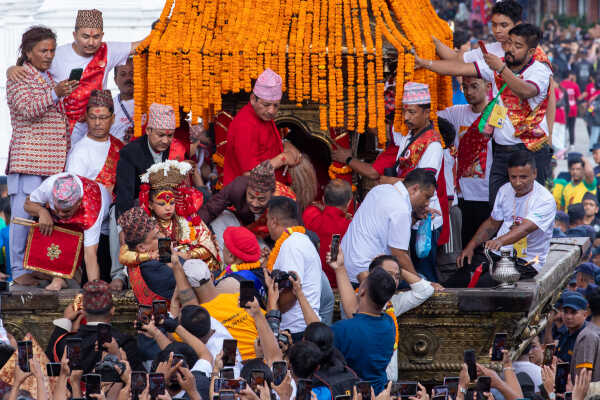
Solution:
(275, 252)
(238, 267)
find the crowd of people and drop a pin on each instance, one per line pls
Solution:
(234, 269)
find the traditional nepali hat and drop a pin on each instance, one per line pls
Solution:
(66, 192)
(161, 116)
(242, 243)
(136, 224)
(268, 86)
(262, 177)
(197, 272)
(101, 98)
(416, 93)
(89, 19)
(96, 297)
(590, 196)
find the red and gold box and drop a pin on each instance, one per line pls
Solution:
(58, 254)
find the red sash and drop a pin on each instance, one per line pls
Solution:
(89, 209)
(108, 175)
(472, 152)
(525, 120)
(142, 292)
(91, 79)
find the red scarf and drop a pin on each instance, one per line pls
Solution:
(91, 79)
(108, 175)
(89, 209)
(142, 292)
(525, 120)
(472, 152)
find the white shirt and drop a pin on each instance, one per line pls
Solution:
(215, 344)
(431, 158)
(476, 54)
(299, 254)
(461, 117)
(121, 123)
(382, 221)
(66, 59)
(407, 300)
(43, 195)
(538, 206)
(534, 372)
(536, 73)
(87, 158)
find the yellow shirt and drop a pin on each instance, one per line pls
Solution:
(225, 309)
(573, 194)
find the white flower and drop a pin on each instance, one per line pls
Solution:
(165, 166)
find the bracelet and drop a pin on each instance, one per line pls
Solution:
(462, 390)
(349, 160)
(505, 368)
(501, 69)
(430, 64)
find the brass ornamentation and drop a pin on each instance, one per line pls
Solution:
(54, 251)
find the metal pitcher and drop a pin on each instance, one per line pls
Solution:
(504, 271)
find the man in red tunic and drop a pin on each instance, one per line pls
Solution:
(252, 136)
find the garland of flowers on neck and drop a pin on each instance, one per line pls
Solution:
(275, 252)
(238, 267)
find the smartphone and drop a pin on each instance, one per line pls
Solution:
(395, 390)
(104, 335)
(257, 379)
(335, 246)
(482, 46)
(138, 382)
(246, 292)
(484, 384)
(560, 382)
(549, 354)
(92, 385)
(470, 361)
(229, 350)
(179, 357)
(53, 369)
(159, 310)
(440, 397)
(408, 389)
(451, 382)
(236, 385)
(498, 346)
(569, 396)
(144, 313)
(279, 372)
(226, 373)
(25, 350)
(439, 390)
(364, 388)
(226, 395)
(343, 397)
(75, 74)
(164, 250)
(304, 388)
(157, 385)
(74, 353)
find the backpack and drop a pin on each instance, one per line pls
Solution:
(339, 383)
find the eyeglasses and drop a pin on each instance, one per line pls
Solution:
(99, 117)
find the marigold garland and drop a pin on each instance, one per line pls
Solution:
(238, 267)
(275, 252)
(327, 51)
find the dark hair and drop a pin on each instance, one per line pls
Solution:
(322, 335)
(379, 260)
(593, 299)
(510, 8)
(574, 161)
(256, 364)
(447, 131)
(184, 349)
(33, 36)
(196, 320)
(304, 358)
(530, 32)
(460, 38)
(128, 61)
(284, 208)
(5, 208)
(425, 106)
(521, 158)
(337, 193)
(380, 286)
(420, 176)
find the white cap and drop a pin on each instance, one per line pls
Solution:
(196, 271)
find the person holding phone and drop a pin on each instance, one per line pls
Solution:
(38, 146)
(20, 377)
(586, 351)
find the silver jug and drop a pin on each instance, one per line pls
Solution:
(504, 271)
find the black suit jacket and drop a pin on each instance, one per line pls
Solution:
(134, 160)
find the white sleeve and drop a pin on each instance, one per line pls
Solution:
(484, 71)
(203, 366)
(290, 258)
(542, 214)
(91, 236)
(432, 157)
(539, 75)
(399, 230)
(472, 55)
(118, 53)
(77, 163)
(405, 301)
(497, 213)
(42, 195)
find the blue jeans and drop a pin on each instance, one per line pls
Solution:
(595, 129)
(327, 301)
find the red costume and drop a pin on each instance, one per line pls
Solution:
(250, 141)
(108, 174)
(89, 209)
(325, 223)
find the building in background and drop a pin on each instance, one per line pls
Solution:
(124, 20)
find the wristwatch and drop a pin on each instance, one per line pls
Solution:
(348, 160)
(462, 390)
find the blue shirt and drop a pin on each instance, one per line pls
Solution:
(322, 393)
(367, 343)
(4, 249)
(566, 342)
